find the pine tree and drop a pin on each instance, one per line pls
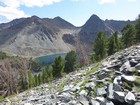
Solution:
(58, 67)
(138, 29)
(44, 76)
(22, 80)
(128, 35)
(118, 46)
(48, 69)
(39, 79)
(36, 80)
(30, 79)
(70, 59)
(113, 44)
(100, 47)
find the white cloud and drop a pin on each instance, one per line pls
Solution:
(39, 3)
(11, 8)
(11, 13)
(106, 1)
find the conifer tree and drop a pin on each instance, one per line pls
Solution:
(138, 29)
(113, 44)
(44, 76)
(30, 79)
(100, 47)
(70, 59)
(22, 80)
(58, 67)
(128, 35)
(39, 79)
(36, 80)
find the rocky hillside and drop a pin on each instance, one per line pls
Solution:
(36, 36)
(113, 81)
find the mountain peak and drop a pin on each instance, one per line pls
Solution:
(35, 17)
(58, 17)
(63, 23)
(93, 19)
(94, 16)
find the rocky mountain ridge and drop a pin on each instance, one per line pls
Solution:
(113, 81)
(34, 36)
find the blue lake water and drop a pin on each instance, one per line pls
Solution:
(48, 59)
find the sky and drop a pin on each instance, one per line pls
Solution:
(76, 12)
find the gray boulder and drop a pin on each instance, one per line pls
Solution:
(90, 84)
(102, 74)
(101, 100)
(137, 103)
(83, 92)
(126, 68)
(117, 87)
(109, 103)
(110, 91)
(137, 66)
(65, 97)
(83, 100)
(101, 91)
(119, 96)
(117, 80)
(129, 79)
(133, 62)
(130, 98)
(94, 102)
(111, 88)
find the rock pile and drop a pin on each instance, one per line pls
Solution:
(114, 81)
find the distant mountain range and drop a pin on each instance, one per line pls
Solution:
(34, 36)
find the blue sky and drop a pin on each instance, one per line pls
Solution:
(76, 12)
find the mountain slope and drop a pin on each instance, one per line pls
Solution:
(34, 36)
(91, 28)
(117, 25)
(113, 81)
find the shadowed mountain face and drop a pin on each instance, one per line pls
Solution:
(91, 28)
(35, 36)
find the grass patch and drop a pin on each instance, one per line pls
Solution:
(84, 83)
(51, 87)
(61, 86)
(100, 85)
(135, 72)
(2, 99)
(10, 96)
(75, 82)
(92, 71)
(137, 90)
(137, 81)
(127, 85)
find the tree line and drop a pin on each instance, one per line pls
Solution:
(104, 46)
(50, 72)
